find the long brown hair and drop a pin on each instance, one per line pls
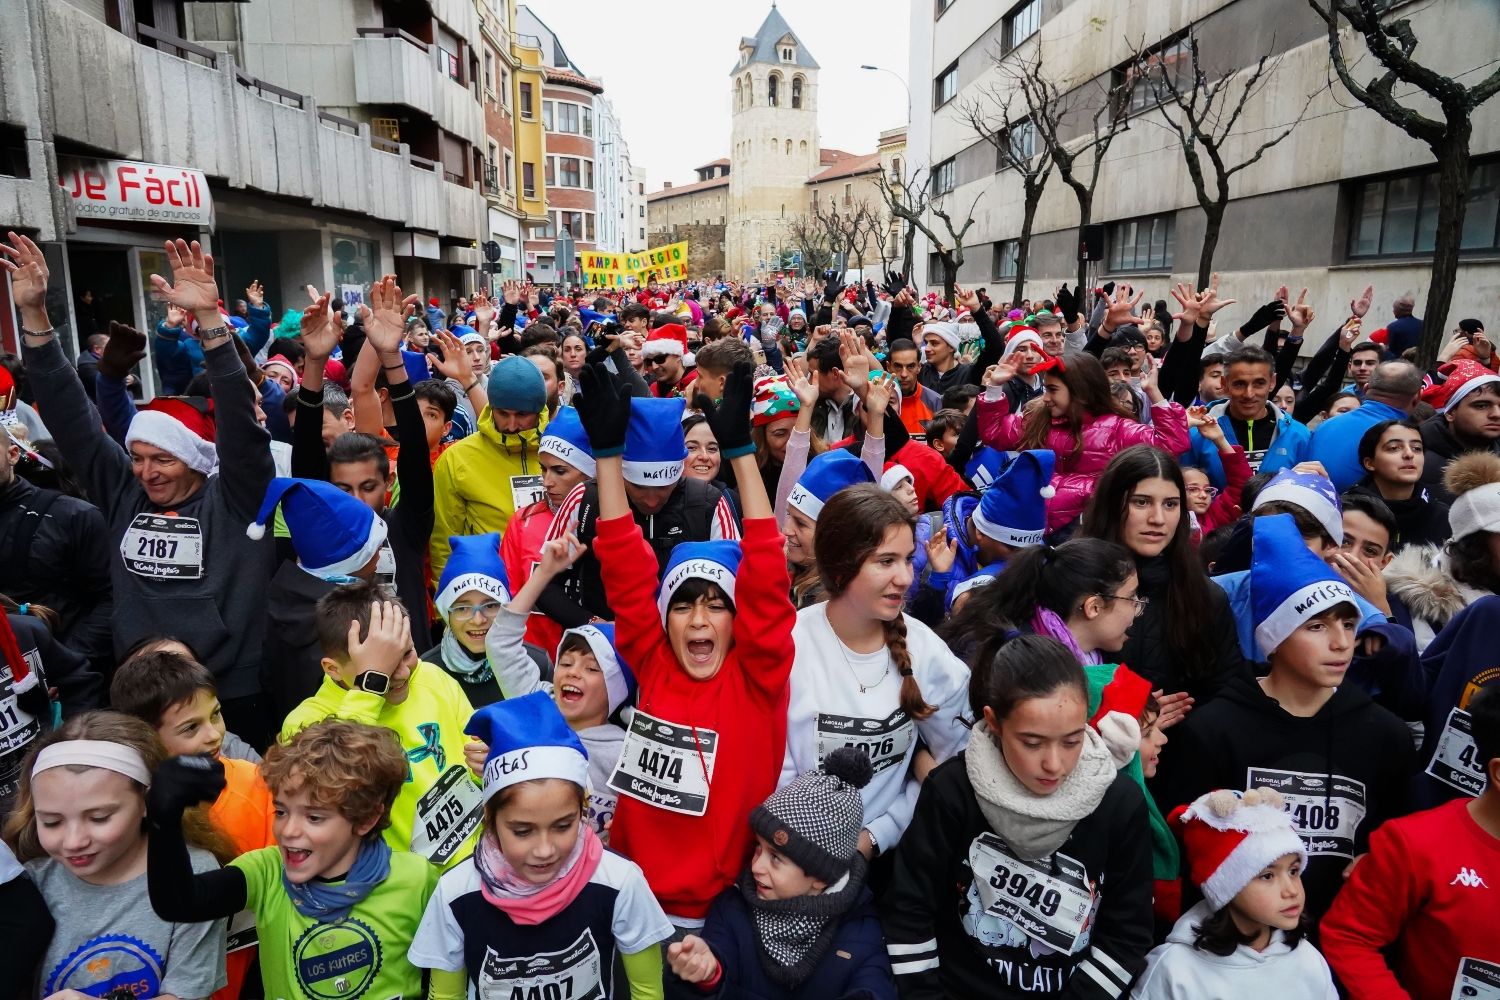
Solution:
(44, 614)
(111, 727)
(851, 527)
(1088, 396)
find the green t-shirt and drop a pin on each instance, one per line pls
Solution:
(360, 958)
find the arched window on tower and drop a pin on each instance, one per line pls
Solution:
(775, 146)
(749, 90)
(796, 91)
(773, 86)
(789, 147)
(739, 94)
(802, 148)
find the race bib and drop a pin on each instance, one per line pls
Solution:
(571, 974)
(446, 815)
(526, 490)
(385, 567)
(1454, 762)
(885, 741)
(240, 934)
(1326, 819)
(1476, 980)
(163, 548)
(18, 729)
(1051, 902)
(666, 765)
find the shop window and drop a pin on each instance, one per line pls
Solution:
(1144, 244)
(1397, 216)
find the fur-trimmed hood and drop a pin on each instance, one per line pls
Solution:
(1419, 576)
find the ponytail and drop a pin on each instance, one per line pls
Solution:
(912, 702)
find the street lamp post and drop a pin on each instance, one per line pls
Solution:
(901, 79)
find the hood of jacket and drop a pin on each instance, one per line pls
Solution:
(1420, 578)
(1246, 694)
(1220, 410)
(1244, 957)
(520, 443)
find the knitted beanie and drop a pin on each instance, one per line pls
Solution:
(815, 819)
(516, 384)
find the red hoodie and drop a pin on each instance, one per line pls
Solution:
(1428, 895)
(687, 859)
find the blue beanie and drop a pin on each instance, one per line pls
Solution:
(824, 476)
(516, 384)
(333, 533)
(716, 561)
(528, 739)
(1288, 583)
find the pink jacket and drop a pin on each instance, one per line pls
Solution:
(1075, 474)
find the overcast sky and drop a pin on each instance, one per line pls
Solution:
(668, 75)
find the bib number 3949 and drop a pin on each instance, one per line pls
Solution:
(1050, 902)
(666, 765)
(163, 548)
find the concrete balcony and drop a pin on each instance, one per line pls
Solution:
(394, 68)
(458, 111)
(196, 109)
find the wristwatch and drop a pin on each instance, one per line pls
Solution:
(373, 681)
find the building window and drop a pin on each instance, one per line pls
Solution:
(504, 89)
(1163, 65)
(588, 122)
(1006, 254)
(934, 269)
(547, 117)
(643, 210)
(773, 85)
(527, 112)
(1145, 244)
(551, 174)
(489, 72)
(588, 174)
(1020, 145)
(510, 169)
(848, 194)
(944, 177)
(940, 7)
(573, 223)
(796, 92)
(945, 87)
(788, 54)
(544, 231)
(569, 172)
(1397, 216)
(1021, 23)
(528, 178)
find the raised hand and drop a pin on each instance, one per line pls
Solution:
(560, 554)
(1349, 334)
(1000, 373)
(1271, 312)
(193, 273)
(1121, 309)
(730, 419)
(1188, 300)
(511, 292)
(942, 552)
(321, 328)
(126, 348)
(484, 312)
(27, 267)
(1067, 303)
(1149, 384)
(176, 317)
(1209, 301)
(452, 365)
(182, 782)
(1301, 314)
(805, 389)
(255, 294)
(1360, 306)
(386, 321)
(604, 410)
(878, 395)
(895, 283)
(854, 361)
(1174, 708)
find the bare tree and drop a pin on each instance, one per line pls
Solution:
(1004, 116)
(912, 199)
(1078, 158)
(1392, 44)
(808, 235)
(1203, 108)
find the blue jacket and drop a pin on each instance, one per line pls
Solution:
(258, 334)
(1288, 447)
(855, 966)
(1402, 333)
(435, 318)
(1336, 442)
(1392, 676)
(178, 357)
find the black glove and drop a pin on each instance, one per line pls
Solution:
(831, 285)
(895, 283)
(126, 347)
(603, 410)
(1263, 317)
(1067, 305)
(183, 782)
(730, 420)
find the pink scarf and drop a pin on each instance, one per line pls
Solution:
(526, 902)
(1046, 622)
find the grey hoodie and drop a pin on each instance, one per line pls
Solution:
(1177, 969)
(222, 613)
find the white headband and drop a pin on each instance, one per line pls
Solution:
(116, 757)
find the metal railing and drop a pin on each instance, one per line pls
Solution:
(339, 122)
(384, 145)
(392, 33)
(423, 162)
(271, 91)
(183, 47)
(491, 178)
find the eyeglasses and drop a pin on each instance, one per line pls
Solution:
(1139, 602)
(464, 612)
(1203, 491)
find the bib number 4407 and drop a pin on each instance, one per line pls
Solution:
(661, 766)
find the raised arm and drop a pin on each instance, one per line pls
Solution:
(178, 894)
(383, 328)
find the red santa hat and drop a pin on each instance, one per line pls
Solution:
(1232, 836)
(1463, 377)
(670, 338)
(1122, 702)
(180, 427)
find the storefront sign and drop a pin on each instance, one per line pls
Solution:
(124, 190)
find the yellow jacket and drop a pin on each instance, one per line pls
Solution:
(475, 483)
(430, 726)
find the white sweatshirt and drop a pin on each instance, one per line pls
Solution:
(517, 674)
(827, 711)
(1178, 971)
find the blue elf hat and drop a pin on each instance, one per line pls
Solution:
(716, 562)
(473, 564)
(619, 681)
(1313, 493)
(985, 467)
(416, 366)
(824, 476)
(529, 740)
(655, 447)
(1288, 583)
(1013, 510)
(983, 577)
(565, 439)
(333, 533)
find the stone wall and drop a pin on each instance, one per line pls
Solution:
(705, 246)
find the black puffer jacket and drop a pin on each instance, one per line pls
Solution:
(1148, 653)
(1439, 447)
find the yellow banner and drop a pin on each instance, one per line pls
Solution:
(607, 279)
(665, 263)
(615, 270)
(594, 260)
